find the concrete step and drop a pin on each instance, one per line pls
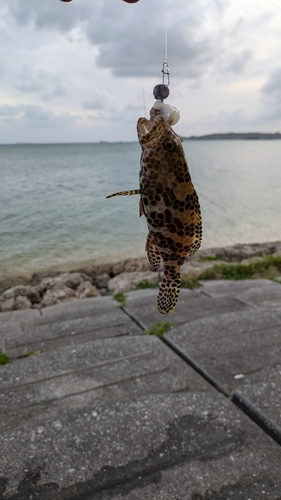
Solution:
(106, 412)
(240, 350)
(264, 294)
(84, 369)
(56, 326)
(231, 288)
(181, 445)
(192, 304)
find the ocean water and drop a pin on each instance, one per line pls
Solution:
(54, 214)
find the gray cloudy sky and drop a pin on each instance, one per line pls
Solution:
(84, 71)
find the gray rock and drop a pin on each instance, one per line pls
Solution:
(102, 280)
(21, 290)
(73, 279)
(6, 283)
(131, 265)
(125, 282)
(47, 283)
(15, 304)
(86, 289)
(58, 293)
(18, 298)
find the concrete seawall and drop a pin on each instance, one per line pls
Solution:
(92, 408)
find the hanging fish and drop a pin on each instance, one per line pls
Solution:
(167, 199)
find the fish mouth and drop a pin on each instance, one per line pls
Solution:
(149, 131)
(144, 126)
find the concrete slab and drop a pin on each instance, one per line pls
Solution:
(18, 316)
(231, 288)
(86, 319)
(126, 418)
(11, 324)
(191, 446)
(78, 374)
(267, 296)
(239, 350)
(80, 368)
(74, 309)
(263, 389)
(192, 305)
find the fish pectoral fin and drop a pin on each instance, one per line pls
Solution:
(141, 210)
(131, 192)
(169, 292)
(153, 254)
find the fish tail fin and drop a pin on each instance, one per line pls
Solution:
(169, 290)
(125, 193)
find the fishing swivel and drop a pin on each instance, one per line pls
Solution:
(161, 90)
(165, 70)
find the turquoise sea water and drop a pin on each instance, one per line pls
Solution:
(54, 214)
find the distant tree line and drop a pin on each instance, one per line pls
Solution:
(232, 136)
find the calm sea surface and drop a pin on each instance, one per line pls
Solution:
(53, 211)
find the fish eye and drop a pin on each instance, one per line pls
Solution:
(169, 145)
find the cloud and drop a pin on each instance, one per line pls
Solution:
(57, 87)
(97, 100)
(240, 61)
(51, 15)
(38, 113)
(29, 80)
(235, 119)
(63, 62)
(28, 113)
(271, 99)
(10, 111)
(131, 39)
(136, 49)
(272, 87)
(36, 80)
(29, 87)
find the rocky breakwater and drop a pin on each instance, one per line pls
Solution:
(45, 289)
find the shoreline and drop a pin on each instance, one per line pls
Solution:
(235, 250)
(50, 287)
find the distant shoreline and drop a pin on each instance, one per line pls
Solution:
(252, 136)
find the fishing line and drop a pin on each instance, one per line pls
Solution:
(165, 67)
(161, 90)
(166, 33)
(275, 4)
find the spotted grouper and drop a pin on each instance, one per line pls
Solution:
(168, 200)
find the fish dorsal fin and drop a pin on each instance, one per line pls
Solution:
(141, 210)
(131, 192)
